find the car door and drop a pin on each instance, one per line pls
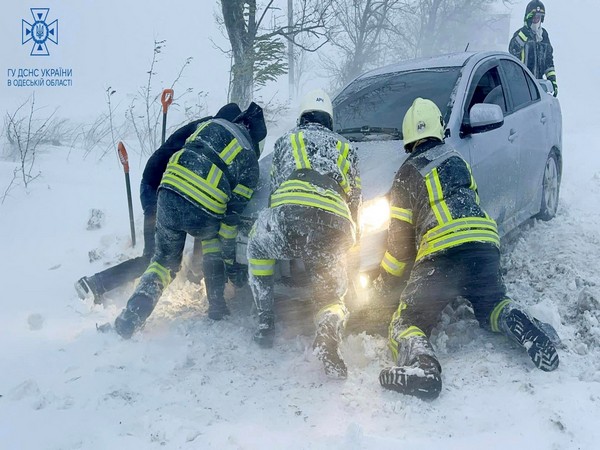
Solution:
(494, 154)
(532, 120)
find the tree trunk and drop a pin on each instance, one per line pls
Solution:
(242, 83)
(241, 36)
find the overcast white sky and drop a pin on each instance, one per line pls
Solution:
(109, 43)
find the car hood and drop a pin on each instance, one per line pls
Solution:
(378, 162)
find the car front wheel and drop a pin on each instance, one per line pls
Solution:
(550, 188)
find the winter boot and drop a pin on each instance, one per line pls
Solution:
(265, 333)
(217, 309)
(526, 331)
(87, 288)
(327, 341)
(132, 318)
(418, 372)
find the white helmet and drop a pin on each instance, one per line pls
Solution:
(316, 100)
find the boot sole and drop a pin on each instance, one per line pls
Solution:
(414, 381)
(538, 345)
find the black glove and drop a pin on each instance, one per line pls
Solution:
(552, 80)
(237, 273)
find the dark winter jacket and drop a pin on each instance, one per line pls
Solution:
(217, 170)
(434, 207)
(537, 56)
(157, 163)
(313, 166)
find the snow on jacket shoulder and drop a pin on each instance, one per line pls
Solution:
(216, 170)
(315, 147)
(157, 163)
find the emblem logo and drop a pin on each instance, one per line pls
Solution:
(39, 31)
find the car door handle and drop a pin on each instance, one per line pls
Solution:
(543, 118)
(513, 135)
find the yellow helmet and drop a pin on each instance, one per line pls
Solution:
(422, 120)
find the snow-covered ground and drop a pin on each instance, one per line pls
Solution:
(186, 382)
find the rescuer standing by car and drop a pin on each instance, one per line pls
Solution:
(532, 46)
(442, 244)
(312, 216)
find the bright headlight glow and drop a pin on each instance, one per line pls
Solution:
(363, 280)
(375, 215)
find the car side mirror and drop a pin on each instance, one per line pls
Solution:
(485, 117)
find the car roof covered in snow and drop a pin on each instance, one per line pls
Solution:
(434, 62)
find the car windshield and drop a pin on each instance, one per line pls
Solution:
(373, 108)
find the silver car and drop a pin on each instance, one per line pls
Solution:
(506, 124)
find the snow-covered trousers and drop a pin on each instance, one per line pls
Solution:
(129, 270)
(177, 217)
(319, 238)
(471, 270)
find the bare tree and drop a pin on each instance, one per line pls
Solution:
(25, 133)
(257, 36)
(370, 33)
(432, 27)
(146, 122)
(359, 36)
(301, 65)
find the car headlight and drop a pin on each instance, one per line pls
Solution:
(375, 215)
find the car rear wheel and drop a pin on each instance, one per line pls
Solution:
(550, 188)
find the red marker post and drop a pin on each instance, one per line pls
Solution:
(125, 161)
(166, 99)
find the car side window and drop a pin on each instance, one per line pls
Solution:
(533, 89)
(489, 90)
(517, 82)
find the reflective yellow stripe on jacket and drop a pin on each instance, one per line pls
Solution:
(242, 190)
(392, 266)
(195, 134)
(402, 214)
(203, 191)
(452, 232)
(296, 192)
(456, 232)
(229, 153)
(524, 39)
(344, 164)
(299, 151)
(436, 197)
